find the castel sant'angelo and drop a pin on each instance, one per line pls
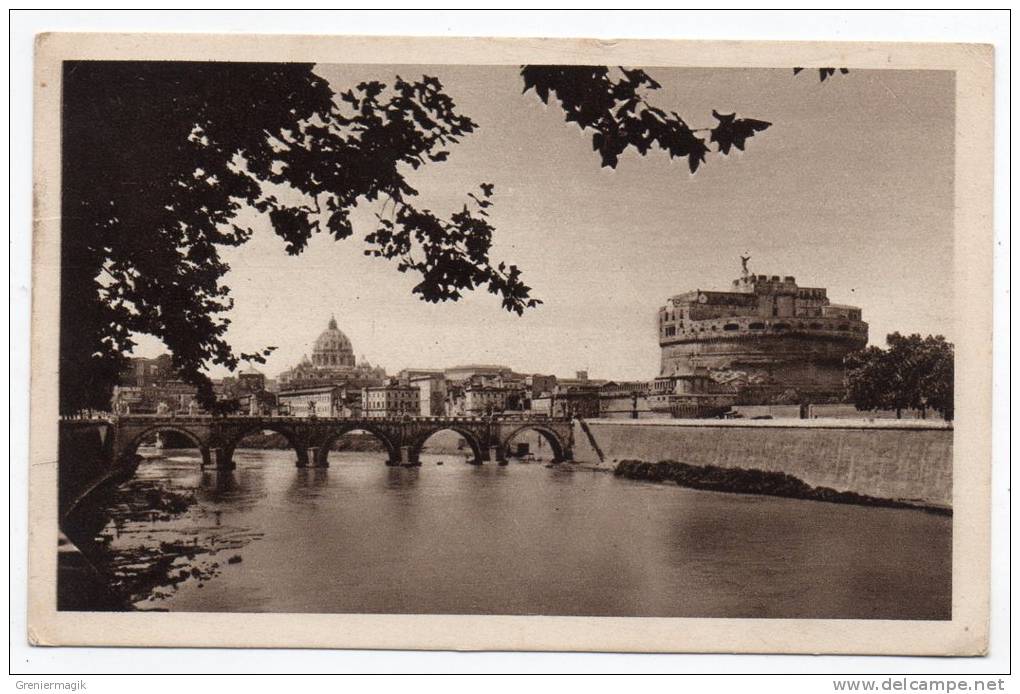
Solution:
(768, 338)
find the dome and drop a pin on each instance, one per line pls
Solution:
(332, 348)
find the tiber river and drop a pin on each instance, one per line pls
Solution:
(517, 540)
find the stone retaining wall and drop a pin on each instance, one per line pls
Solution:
(902, 460)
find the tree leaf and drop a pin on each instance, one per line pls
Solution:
(734, 132)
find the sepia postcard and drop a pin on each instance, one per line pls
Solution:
(511, 344)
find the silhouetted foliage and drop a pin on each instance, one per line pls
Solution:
(620, 115)
(733, 131)
(159, 157)
(824, 72)
(913, 373)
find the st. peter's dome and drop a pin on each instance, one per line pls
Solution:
(332, 348)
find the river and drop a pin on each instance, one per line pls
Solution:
(520, 539)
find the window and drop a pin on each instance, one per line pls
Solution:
(756, 326)
(731, 326)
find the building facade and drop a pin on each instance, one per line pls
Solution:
(390, 400)
(567, 405)
(767, 337)
(691, 396)
(258, 403)
(405, 376)
(624, 400)
(570, 397)
(142, 371)
(485, 394)
(540, 384)
(312, 401)
(151, 386)
(431, 393)
(480, 400)
(251, 380)
(465, 372)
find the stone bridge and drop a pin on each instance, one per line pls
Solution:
(312, 438)
(96, 452)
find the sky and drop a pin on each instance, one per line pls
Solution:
(850, 189)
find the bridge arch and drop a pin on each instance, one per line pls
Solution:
(463, 432)
(295, 440)
(558, 446)
(131, 448)
(325, 444)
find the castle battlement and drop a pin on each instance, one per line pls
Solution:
(777, 332)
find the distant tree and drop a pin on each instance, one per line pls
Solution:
(159, 157)
(866, 379)
(913, 373)
(937, 376)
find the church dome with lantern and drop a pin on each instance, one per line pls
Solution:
(332, 349)
(332, 363)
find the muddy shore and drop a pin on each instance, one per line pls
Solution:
(111, 560)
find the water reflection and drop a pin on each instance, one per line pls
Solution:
(219, 483)
(310, 478)
(398, 477)
(529, 539)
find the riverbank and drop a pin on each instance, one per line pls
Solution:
(909, 462)
(753, 481)
(111, 560)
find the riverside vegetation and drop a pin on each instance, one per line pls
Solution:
(752, 481)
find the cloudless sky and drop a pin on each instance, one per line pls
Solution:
(850, 189)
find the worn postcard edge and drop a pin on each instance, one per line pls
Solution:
(965, 634)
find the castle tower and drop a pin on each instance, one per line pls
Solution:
(767, 336)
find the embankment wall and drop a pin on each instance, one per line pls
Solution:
(85, 447)
(902, 460)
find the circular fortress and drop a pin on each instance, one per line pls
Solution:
(767, 339)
